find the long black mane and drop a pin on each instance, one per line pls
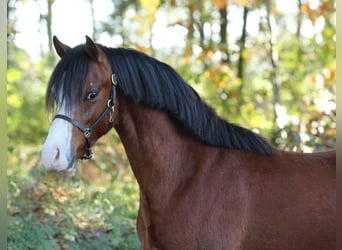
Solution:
(156, 84)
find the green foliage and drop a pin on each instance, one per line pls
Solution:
(26, 83)
(55, 211)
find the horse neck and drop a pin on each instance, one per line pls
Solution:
(157, 148)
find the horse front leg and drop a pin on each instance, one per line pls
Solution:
(144, 224)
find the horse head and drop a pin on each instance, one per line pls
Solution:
(82, 89)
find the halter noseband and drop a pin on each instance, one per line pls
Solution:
(87, 131)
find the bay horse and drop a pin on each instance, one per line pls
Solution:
(204, 182)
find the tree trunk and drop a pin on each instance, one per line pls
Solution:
(224, 35)
(190, 35)
(242, 47)
(299, 24)
(273, 56)
(10, 18)
(95, 33)
(48, 20)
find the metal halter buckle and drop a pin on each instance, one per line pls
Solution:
(87, 132)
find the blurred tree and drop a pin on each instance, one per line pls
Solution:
(26, 81)
(269, 66)
(242, 45)
(11, 19)
(46, 18)
(25, 99)
(230, 46)
(223, 10)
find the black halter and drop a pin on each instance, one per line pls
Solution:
(87, 131)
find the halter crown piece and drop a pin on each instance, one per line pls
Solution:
(87, 131)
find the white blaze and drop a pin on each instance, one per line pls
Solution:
(56, 151)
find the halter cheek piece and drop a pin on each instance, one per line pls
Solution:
(87, 131)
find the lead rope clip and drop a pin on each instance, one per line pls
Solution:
(111, 116)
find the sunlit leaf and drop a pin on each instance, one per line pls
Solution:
(13, 75)
(220, 4)
(14, 101)
(150, 5)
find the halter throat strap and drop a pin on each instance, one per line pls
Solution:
(87, 131)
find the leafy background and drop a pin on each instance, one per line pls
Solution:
(269, 76)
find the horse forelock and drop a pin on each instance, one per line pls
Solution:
(68, 79)
(157, 85)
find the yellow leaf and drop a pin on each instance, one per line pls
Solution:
(221, 4)
(14, 101)
(330, 132)
(13, 75)
(305, 7)
(150, 5)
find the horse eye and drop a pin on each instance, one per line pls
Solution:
(91, 96)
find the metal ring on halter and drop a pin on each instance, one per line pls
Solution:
(110, 103)
(114, 80)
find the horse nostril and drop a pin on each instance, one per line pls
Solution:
(57, 154)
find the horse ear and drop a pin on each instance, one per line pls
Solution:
(91, 49)
(60, 47)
